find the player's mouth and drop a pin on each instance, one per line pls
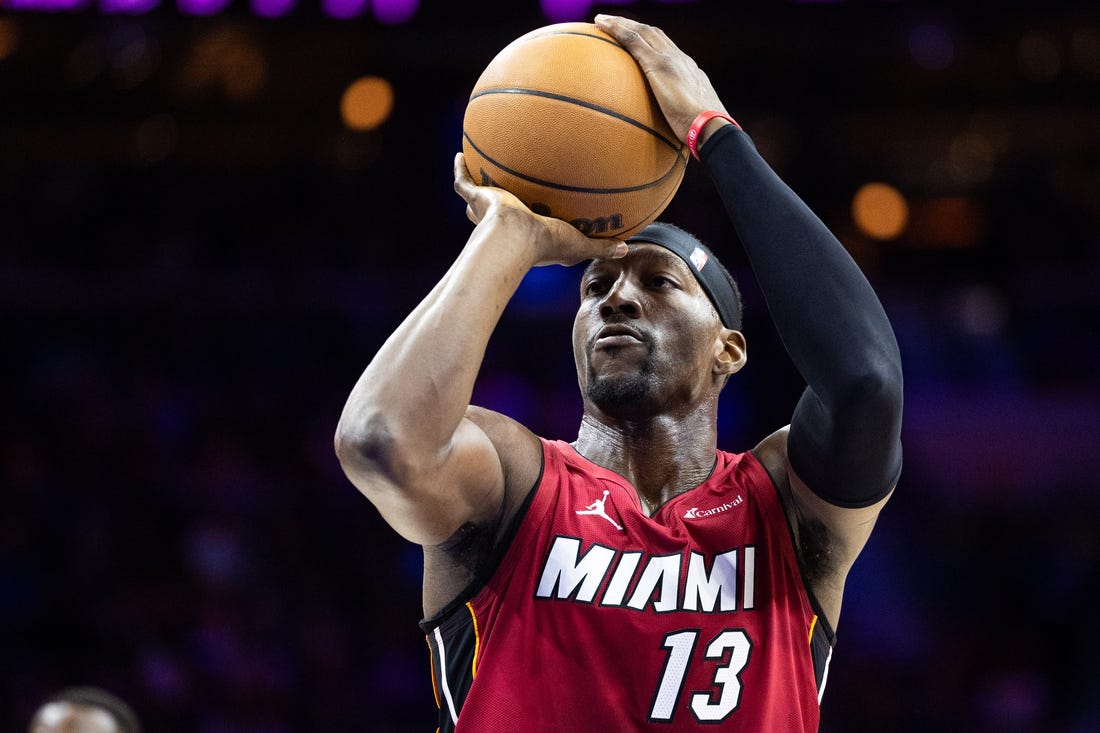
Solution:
(617, 335)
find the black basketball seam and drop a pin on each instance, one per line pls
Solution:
(581, 103)
(578, 33)
(661, 206)
(571, 189)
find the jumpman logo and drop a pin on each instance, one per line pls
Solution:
(596, 508)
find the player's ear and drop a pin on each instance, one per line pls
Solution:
(731, 352)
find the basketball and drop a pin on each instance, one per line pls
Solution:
(564, 119)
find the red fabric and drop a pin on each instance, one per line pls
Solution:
(548, 664)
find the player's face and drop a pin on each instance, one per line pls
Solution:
(646, 336)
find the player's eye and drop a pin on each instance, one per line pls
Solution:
(595, 287)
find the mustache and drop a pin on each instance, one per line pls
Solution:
(619, 324)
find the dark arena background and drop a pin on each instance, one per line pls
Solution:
(212, 212)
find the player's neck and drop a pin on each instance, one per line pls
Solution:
(661, 457)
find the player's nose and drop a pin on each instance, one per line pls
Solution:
(624, 296)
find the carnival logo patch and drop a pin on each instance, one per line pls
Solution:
(697, 513)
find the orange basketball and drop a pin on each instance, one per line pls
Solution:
(563, 118)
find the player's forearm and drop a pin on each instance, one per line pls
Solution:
(409, 401)
(827, 314)
(809, 280)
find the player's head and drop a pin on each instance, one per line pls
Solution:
(84, 710)
(659, 328)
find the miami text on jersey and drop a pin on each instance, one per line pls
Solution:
(679, 582)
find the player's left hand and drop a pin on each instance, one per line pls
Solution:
(555, 242)
(681, 88)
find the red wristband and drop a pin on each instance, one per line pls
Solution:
(701, 122)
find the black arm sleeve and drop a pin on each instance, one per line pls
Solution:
(845, 438)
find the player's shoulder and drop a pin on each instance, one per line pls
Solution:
(518, 448)
(772, 454)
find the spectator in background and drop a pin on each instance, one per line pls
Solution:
(84, 710)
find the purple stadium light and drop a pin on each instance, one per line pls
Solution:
(272, 8)
(394, 12)
(344, 9)
(47, 6)
(562, 11)
(202, 7)
(129, 7)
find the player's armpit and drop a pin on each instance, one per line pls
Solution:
(848, 528)
(828, 537)
(846, 533)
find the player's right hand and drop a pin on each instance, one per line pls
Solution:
(555, 242)
(680, 87)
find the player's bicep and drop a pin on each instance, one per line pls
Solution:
(849, 454)
(465, 484)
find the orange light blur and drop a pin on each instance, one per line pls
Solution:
(947, 222)
(1039, 56)
(228, 61)
(366, 103)
(9, 37)
(880, 211)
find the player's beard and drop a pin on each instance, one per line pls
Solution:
(624, 395)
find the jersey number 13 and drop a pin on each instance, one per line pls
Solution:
(707, 707)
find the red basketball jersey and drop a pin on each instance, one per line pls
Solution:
(599, 618)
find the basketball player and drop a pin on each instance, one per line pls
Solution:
(84, 710)
(637, 578)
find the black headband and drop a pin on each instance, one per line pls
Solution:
(691, 251)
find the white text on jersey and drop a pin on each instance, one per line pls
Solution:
(679, 582)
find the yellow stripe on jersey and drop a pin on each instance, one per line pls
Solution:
(477, 639)
(813, 623)
(431, 662)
